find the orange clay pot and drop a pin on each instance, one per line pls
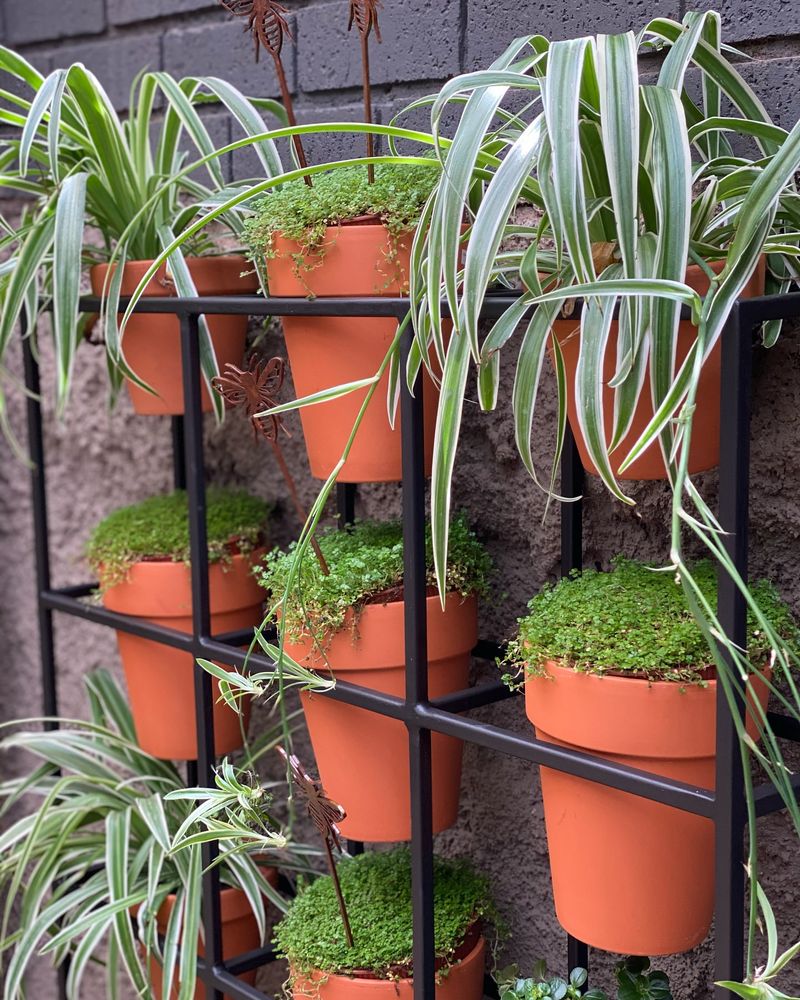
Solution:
(325, 351)
(239, 934)
(463, 981)
(161, 679)
(363, 757)
(152, 341)
(704, 449)
(629, 875)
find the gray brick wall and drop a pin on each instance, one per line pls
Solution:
(425, 41)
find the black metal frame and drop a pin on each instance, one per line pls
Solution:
(422, 716)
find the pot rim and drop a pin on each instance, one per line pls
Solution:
(479, 947)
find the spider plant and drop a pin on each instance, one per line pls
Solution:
(88, 838)
(81, 165)
(661, 179)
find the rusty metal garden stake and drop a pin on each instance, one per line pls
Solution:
(268, 26)
(364, 15)
(256, 388)
(325, 814)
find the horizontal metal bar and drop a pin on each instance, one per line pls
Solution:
(699, 801)
(235, 988)
(250, 960)
(258, 305)
(766, 307)
(486, 650)
(474, 697)
(784, 726)
(769, 800)
(60, 601)
(429, 716)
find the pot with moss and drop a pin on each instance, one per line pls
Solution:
(351, 624)
(377, 888)
(615, 665)
(345, 237)
(141, 557)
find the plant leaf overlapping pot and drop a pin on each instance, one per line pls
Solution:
(362, 756)
(704, 449)
(359, 259)
(152, 341)
(160, 679)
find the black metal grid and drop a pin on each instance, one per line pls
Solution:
(422, 716)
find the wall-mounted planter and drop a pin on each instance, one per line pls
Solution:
(239, 934)
(704, 450)
(326, 351)
(152, 341)
(160, 679)
(463, 981)
(363, 757)
(629, 875)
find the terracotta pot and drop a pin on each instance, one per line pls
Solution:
(239, 934)
(152, 341)
(363, 757)
(463, 981)
(325, 351)
(629, 875)
(704, 449)
(160, 679)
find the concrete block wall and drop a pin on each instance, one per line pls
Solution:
(100, 460)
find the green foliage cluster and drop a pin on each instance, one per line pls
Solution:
(158, 528)
(634, 982)
(377, 891)
(302, 213)
(364, 562)
(633, 620)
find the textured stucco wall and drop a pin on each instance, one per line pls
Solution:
(100, 460)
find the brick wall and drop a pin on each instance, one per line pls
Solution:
(91, 453)
(425, 41)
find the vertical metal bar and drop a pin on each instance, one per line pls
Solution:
(346, 503)
(572, 481)
(41, 534)
(204, 696)
(346, 513)
(730, 808)
(416, 644)
(178, 454)
(41, 544)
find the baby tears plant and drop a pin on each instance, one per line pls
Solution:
(302, 214)
(377, 887)
(158, 529)
(366, 566)
(634, 621)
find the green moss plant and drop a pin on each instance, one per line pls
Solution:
(632, 621)
(302, 213)
(158, 529)
(377, 890)
(366, 562)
